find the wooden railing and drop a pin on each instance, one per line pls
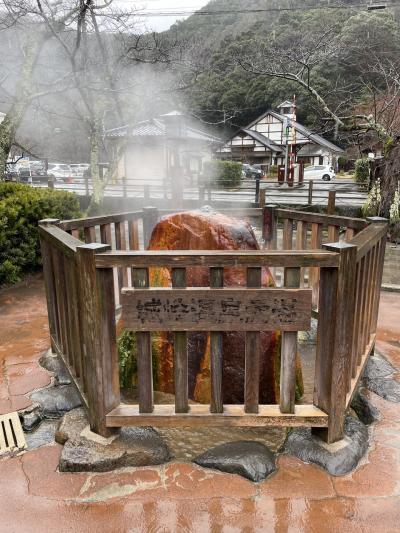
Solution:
(86, 282)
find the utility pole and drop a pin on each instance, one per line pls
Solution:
(287, 129)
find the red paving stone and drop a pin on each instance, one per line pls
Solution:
(177, 497)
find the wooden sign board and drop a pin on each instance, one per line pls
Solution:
(216, 309)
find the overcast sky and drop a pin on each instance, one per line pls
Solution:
(163, 23)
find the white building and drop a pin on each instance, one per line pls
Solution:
(263, 141)
(162, 151)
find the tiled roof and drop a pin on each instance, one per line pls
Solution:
(155, 127)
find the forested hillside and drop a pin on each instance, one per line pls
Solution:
(342, 50)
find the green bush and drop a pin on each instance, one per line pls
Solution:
(225, 174)
(362, 170)
(273, 171)
(21, 208)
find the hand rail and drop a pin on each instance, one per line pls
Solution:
(216, 258)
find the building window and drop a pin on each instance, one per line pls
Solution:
(321, 160)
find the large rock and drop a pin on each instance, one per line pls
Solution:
(71, 425)
(379, 378)
(55, 364)
(200, 230)
(251, 460)
(56, 401)
(132, 447)
(339, 458)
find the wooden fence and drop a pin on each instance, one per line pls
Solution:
(96, 265)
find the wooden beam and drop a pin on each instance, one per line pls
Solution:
(217, 258)
(233, 416)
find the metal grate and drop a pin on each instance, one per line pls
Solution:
(11, 434)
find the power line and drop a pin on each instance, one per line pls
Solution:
(169, 12)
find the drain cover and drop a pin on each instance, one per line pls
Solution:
(11, 434)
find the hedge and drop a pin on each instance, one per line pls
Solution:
(362, 170)
(225, 174)
(21, 208)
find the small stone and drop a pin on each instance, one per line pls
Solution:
(249, 459)
(337, 459)
(132, 447)
(31, 419)
(366, 412)
(42, 435)
(56, 401)
(71, 425)
(55, 364)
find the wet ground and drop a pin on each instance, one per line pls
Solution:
(178, 496)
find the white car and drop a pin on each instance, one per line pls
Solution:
(319, 172)
(60, 172)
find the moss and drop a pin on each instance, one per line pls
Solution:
(127, 353)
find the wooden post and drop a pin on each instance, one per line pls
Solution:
(49, 283)
(257, 197)
(180, 352)
(289, 353)
(334, 338)
(331, 202)
(216, 405)
(310, 192)
(99, 336)
(150, 216)
(269, 229)
(262, 197)
(252, 353)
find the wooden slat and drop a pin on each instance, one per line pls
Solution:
(105, 234)
(316, 243)
(75, 233)
(217, 258)
(180, 353)
(378, 283)
(232, 416)
(144, 362)
(356, 326)
(90, 234)
(349, 234)
(216, 400)
(287, 243)
(197, 309)
(120, 244)
(49, 283)
(289, 353)
(326, 220)
(301, 243)
(79, 223)
(252, 354)
(269, 227)
(333, 234)
(133, 228)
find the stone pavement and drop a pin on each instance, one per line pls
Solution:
(182, 497)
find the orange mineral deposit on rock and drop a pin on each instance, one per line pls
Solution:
(205, 230)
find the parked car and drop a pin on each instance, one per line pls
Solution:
(78, 169)
(319, 172)
(60, 172)
(32, 172)
(252, 171)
